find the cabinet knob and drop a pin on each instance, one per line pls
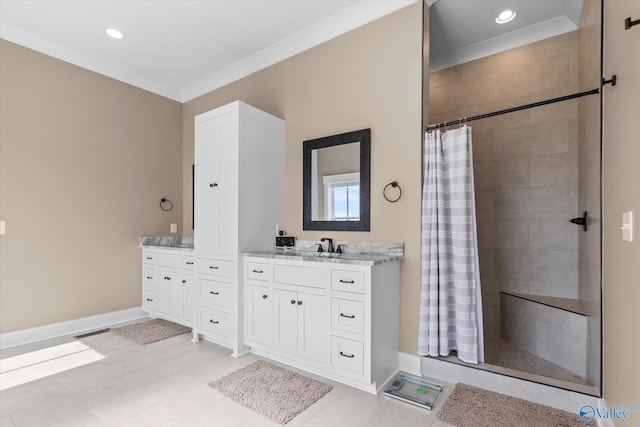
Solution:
(215, 322)
(293, 301)
(299, 302)
(350, 356)
(348, 316)
(215, 184)
(264, 296)
(184, 281)
(214, 293)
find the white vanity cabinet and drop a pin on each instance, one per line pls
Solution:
(338, 320)
(239, 199)
(168, 288)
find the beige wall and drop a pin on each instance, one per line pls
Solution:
(621, 263)
(84, 161)
(368, 78)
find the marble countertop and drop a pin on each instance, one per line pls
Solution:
(167, 242)
(336, 258)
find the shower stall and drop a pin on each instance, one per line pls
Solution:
(534, 110)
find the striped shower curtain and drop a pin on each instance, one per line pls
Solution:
(450, 298)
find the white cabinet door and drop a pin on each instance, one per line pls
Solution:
(312, 330)
(216, 169)
(260, 315)
(176, 293)
(285, 320)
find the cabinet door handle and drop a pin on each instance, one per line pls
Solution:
(150, 277)
(215, 184)
(167, 278)
(350, 356)
(213, 267)
(348, 316)
(293, 301)
(189, 262)
(184, 281)
(347, 281)
(264, 296)
(149, 299)
(215, 322)
(258, 271)
(214, 293)
(299, 302)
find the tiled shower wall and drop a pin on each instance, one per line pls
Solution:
(525, 167)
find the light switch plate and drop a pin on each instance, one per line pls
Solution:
(627, 226)
(3, 227)
(174, 228)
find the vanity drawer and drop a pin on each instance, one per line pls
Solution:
(215, 322)
(215, 267)
(301, 276)
(258, 271)
(153, 301)
(347, 281)
(347, 315)
(215, 293)
(188, 262)
(148, 277)
(347, 355)
(149, 257)
(169, 259)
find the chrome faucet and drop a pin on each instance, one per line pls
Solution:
(329, 246)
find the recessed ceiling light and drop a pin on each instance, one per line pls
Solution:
(112, 32)
(505, 16)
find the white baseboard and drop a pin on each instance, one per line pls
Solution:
(410, 364)
(70, 327)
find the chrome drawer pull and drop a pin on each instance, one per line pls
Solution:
(258, 271)
(347, 281)
(189, 262)
(348, 316)
(214, 293)
(350, 356)
(215, 322)
(213, 267)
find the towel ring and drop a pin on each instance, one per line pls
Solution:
(166, 204)
(393, 184)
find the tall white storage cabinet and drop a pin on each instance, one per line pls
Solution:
(239, 199)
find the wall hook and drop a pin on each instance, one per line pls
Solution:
(628, 23)
(613, 80)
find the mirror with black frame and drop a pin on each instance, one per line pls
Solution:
(336, 175)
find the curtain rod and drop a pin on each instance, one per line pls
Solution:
(511, 110)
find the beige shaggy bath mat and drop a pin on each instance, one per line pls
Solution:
(151, 331)
(469, 406)
(274, 392)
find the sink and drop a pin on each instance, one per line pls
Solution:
(326, 254)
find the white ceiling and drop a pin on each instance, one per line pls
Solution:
(464, 30)
(182, 49)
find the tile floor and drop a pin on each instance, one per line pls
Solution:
(165, 384)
